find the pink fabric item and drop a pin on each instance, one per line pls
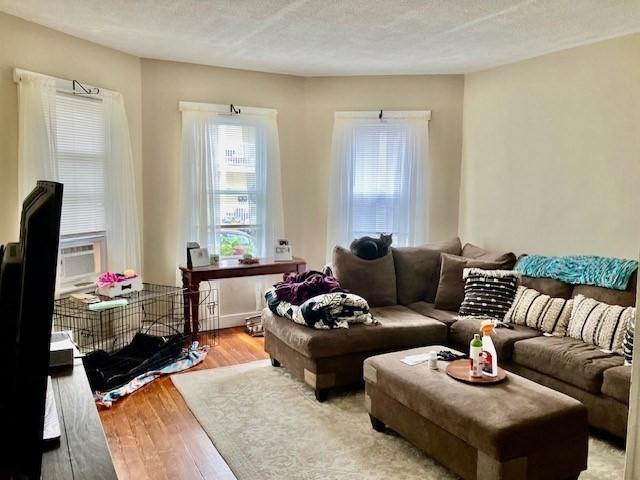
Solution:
(108, 279)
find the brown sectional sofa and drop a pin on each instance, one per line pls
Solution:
(401, 289)
(330, 358)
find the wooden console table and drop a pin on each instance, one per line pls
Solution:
(191, 278)
(83, 452)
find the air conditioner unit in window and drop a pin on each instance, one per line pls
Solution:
(81, 261)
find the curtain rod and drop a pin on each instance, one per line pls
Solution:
(62, 84)
(384, 114)
(225, 109)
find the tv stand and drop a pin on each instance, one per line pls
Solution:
(83, 450)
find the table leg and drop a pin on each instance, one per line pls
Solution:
(186, 299)
(195, 308)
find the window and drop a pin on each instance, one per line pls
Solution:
(378, 177)
(80, 153)
(235, 193)
(83, 142)
(230, 193)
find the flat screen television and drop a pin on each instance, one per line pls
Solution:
(27, 289)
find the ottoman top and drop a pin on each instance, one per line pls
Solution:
(505, 420)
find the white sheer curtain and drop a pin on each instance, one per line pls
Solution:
(36, 131)
(378, 181)
(195, 214)
(121, 213)
(38, 159)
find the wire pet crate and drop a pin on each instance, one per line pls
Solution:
(156, 310)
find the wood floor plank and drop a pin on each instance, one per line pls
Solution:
(152, 434)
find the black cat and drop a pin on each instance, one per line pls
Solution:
(369, 248)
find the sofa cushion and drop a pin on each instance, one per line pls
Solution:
(488, 293)
(462, 332)
(399, 328)
(617, 383)
(542, 312)
(448, 317)
(627, 342)
(572, 361)
(418, 270)
(373, 280)
(624, 298)
(505, 261)
(548, 286)
(450, 291)
(599, 323)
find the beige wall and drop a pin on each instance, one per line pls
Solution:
(33, 47)
(551, 154)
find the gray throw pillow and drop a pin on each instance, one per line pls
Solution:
(418, 269)
(451, 285)
(373, 280)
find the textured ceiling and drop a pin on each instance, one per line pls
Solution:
(333, 37)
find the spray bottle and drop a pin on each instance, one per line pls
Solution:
(489, 354)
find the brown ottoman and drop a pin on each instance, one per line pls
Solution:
(512, 430)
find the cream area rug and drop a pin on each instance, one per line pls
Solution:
(269, 426)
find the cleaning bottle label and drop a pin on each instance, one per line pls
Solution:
(487, 363)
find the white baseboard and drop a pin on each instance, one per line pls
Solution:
(235, 319)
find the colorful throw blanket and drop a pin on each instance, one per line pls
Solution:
(580, 270)
(299, 288)
(190, 358)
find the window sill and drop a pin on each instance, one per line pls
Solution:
(68, 290)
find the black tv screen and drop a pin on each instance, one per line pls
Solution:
(27, 289)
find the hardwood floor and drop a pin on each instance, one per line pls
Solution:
(152, 433)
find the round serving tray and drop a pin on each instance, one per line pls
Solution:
(459, 369)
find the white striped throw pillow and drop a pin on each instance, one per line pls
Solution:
(542, 312)
(599, 323)
(627, 342)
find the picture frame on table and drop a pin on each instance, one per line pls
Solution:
(282, 251)
(200, 257)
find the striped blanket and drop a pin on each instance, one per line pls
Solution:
(580, 270)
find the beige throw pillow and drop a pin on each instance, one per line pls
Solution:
(599, 323)
(542, 312)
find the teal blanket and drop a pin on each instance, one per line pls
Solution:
(580, 270)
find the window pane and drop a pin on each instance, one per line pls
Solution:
(236, 208)
(236, 242)
(235, 154)
(378, 161)
(80, 143)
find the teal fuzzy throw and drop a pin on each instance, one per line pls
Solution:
(580, 270)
